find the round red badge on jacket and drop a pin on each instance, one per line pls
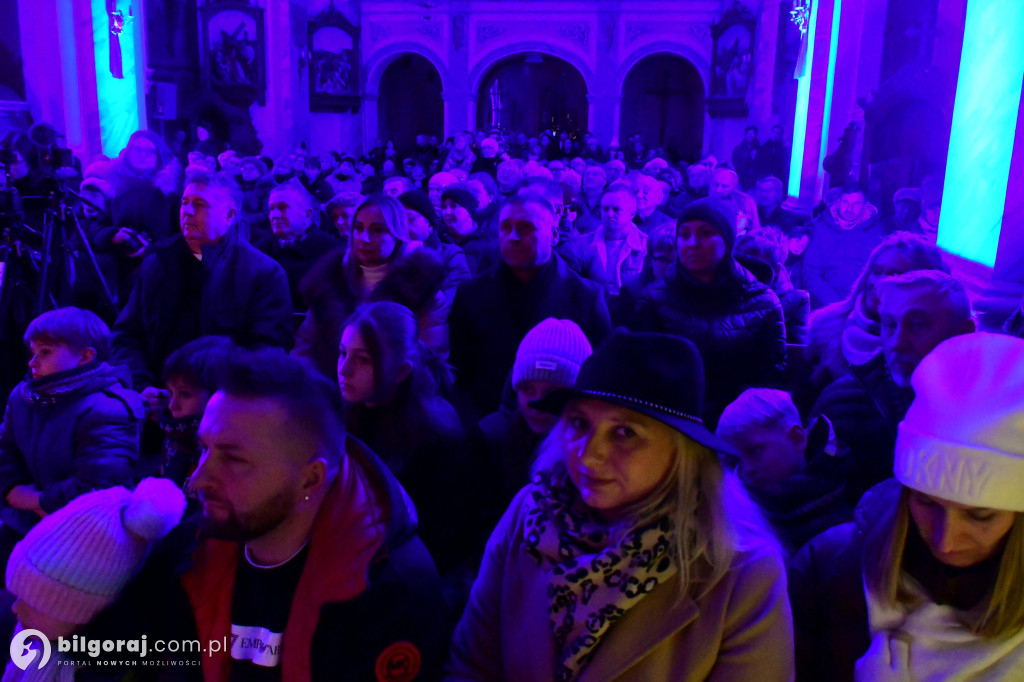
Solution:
(400, 662)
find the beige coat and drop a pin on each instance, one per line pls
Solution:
(740, 631)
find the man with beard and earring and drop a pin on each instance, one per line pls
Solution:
(308, 560)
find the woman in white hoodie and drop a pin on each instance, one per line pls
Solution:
(928, 583)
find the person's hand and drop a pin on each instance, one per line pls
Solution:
(122, 235)
(888, 659)
(155, 399)
(25, 497)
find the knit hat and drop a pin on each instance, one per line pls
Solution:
(418, 201)
(714, 213)
(963, 437)
(461, 196)
(77, 560)
(257, 163)
(552, 351)
(907, 194)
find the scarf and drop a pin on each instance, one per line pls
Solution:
(49, 390)
(594, 577)
(861, 336)
(181, 449)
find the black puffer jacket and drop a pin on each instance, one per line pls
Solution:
(865, 406)
(67, 434)
(830, 613)
(735, 321)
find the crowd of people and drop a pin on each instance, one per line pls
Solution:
(510, 408)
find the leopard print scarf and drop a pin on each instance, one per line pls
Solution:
(594, 578)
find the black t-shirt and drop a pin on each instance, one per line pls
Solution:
(260, 605)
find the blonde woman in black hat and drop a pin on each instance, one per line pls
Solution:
(928, 583)
(632, 555)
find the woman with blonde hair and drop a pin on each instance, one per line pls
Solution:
(928, 583)
(379, 264)
(632, 554)
(847, 332)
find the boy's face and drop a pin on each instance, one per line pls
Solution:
(770, 456)
(50, 357)
(539, 422)
(32, 619)
(186, 399)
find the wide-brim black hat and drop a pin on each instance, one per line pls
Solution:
(657, 375)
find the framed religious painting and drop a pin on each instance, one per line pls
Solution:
(334, 69)
(233, 52)
(732, 62)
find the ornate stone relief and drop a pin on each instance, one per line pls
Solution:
(608, 33)
(579, 33)
(459, 31)
(486, 32)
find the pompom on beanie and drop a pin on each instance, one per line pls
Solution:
(77, 560)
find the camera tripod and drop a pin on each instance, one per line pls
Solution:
(42, 268)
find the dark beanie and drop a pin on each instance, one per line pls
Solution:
(461, 196)
(716, 214)
(418, 201)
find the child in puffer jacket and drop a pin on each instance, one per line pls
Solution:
(71, 427)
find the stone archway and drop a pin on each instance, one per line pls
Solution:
(530, 92)
(663, 102)
(410, 101)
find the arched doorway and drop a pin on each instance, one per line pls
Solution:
(663, 102)
(529, 93)
(410, 101)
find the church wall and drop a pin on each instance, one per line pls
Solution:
(601, 39)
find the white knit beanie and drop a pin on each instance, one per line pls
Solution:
(552, 351)
(963, 437)
(76, 561)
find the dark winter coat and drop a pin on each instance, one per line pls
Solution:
(67, 434)
(826, 591)
(786, 220)
(746, 162)
(494, 311)
(504, 448)
(481, 249)
(331, 292)
(297, 257)
(141, 206)
(424, 446)
(796, 308)
(583, 261)
(489, 217)
(735, 321)
(809, 502)
(835, 257)
(456, 268)
(865, 406)
(243, 294)
(368, 593)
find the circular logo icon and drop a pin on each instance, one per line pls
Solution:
(400, 662)
(22, 654)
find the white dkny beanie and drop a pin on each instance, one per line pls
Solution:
(75, 562)
(963, 437)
